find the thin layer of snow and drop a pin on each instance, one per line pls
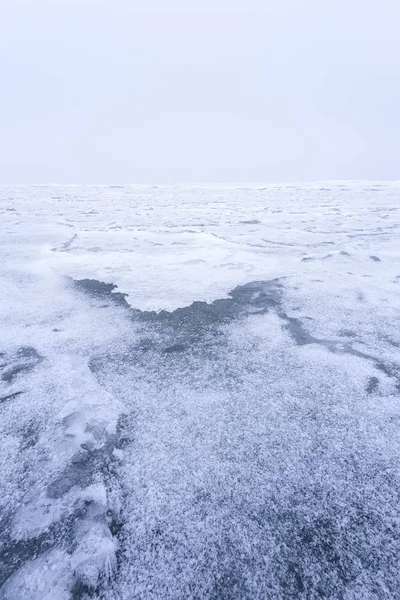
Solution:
(218, 439)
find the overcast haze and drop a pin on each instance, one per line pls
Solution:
(199, 91)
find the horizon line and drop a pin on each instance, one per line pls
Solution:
(203, 183)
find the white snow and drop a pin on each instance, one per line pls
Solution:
(168, 246)
(209, 435)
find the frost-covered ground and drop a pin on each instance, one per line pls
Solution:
(228, 430)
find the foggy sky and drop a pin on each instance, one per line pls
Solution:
(156, 91)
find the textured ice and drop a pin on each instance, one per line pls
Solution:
(199, 392)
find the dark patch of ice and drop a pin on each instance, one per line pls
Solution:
(373, 385)
(85, 464)
(10, 396)
(193, 322)
(24, 360)
(100, 290)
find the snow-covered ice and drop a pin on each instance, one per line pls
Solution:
(224, 424)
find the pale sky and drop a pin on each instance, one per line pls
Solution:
(165, 91)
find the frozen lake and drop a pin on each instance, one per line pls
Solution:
(200, 392)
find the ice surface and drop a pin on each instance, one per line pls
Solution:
(221, 425)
